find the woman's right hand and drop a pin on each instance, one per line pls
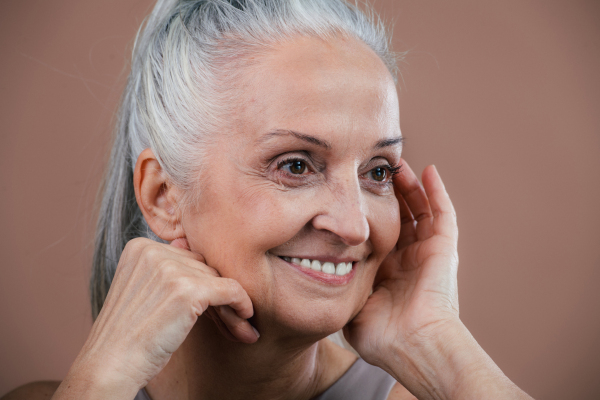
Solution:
(156, 296)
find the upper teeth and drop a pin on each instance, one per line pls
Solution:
(340, 269)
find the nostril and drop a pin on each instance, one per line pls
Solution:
(351, 228)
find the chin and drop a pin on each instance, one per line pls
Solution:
(304, 324)
(294, 312)
(292, 302)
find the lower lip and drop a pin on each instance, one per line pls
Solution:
(322, 276)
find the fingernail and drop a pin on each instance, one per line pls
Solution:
(255, 331)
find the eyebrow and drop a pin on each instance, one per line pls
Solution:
(389, 142)
(323, 143)
(302, 136)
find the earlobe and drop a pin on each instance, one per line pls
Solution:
(157, 198)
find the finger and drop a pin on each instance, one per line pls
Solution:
(228, 292)
(416, 199)
(181, 246)
(240, 328)
(211, 313)
(132, 251)
(444, 222)
(408, 231)
(181, 243)
(157, 254)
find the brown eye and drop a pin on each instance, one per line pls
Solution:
(379, 174)
(296, 167)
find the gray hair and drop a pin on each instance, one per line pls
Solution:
(180, 91)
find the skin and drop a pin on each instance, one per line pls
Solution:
(330, 106)
(334, 209)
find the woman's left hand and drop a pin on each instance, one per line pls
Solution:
(415, 294)
(409, 326)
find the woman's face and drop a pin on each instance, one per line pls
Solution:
(304, 172)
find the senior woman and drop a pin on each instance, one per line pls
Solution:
(256, 203)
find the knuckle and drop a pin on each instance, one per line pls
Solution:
(132, 247)
(454, 258)
(166, 268)
(130, 254)
(182, 287)
(137, 245)
(232, 286)
(151, 252)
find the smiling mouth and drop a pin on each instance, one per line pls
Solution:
(327, 267)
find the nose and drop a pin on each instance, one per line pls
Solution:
(344, 213)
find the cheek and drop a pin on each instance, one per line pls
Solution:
(272, 216)
(239, 224)
(384, 222)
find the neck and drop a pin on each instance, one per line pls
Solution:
(209, 366)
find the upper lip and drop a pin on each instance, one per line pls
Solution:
(332, 259)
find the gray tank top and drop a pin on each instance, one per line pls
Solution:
(362, 381)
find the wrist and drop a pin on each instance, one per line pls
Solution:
(447, 363)
(93, 378)
(427, 361)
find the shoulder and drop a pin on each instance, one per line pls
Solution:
(42, 390)
(399, 392)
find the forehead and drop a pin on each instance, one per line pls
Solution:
(332, 88)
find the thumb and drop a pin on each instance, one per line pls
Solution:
(181, 243)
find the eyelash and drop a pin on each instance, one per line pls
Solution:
(291, 160)
(393, 170)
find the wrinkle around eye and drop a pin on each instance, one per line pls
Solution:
(311, 175)
(257, 188)
(264, 178)
(384, 188)
(290, 183)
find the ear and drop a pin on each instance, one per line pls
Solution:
(157, 197)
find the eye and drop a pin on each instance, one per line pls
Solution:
(383, 173)
(296, 167)
(378, 174)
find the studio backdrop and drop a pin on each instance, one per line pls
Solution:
(502, 96)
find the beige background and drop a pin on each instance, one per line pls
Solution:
(503, 96)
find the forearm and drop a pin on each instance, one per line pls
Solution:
(450, 365)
